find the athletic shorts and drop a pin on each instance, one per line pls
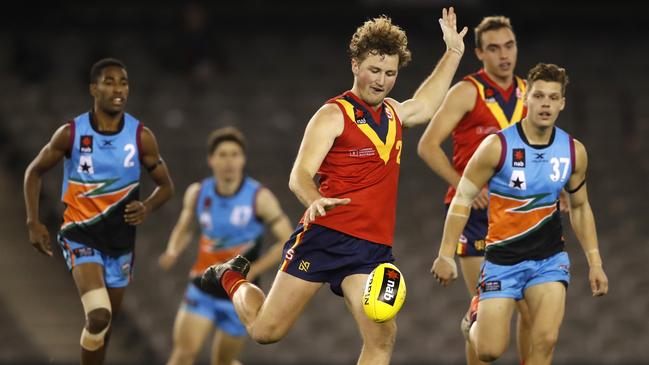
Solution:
(323, 255)
(511, 281)
(472, 240)
(220, 311)
(117, 270)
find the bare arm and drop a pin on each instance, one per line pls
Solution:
(428, 97)
(53, 152)
(320, 134)
(137, 211)
(583, 222)
(480, 169)
(183, 230)
(271, 213)
(459, 101)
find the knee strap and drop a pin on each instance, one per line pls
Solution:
(92, 300)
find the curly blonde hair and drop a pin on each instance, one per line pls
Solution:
(380, 36)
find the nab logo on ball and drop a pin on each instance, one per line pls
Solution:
(385, 292)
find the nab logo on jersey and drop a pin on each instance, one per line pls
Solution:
(359, 116)
(518, 157)
(85, 144)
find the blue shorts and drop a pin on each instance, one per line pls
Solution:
(220, 311)
(117, 270)
(323, 255)
(510, 281)
(472, 240)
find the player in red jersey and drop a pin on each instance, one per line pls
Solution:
(354, 143)
(481, 104)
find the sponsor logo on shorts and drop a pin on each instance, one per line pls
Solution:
(304, 265)
(479, 245)
(83, 252)
(491, 286)
(126, 269)
(289, 254)
(390, 287)
(565, 268)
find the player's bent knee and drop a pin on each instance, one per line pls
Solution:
(383, 337)
(183, 355)
(267, 334)
(487, 357)
(489, 353)
(545, 342)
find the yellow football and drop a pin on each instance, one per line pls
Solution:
(385, 292)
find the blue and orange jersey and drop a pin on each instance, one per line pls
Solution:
(363, 165)
(524, 221)
(494, 110)
(100, 176)
(229, 225)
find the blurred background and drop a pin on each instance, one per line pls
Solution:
(266, 67)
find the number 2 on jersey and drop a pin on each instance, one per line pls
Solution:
(128, 161)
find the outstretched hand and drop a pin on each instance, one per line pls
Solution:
(454, 40)
(321, 206)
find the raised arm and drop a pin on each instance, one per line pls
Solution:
(137, 211)
(271, 213)
(583, 222)
(478, 172)
(183, 231)
(319, 136)
(50, 155)
(428, 97)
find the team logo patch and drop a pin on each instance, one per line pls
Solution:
(304, 265)
(518, 157)
(85, 165)
(85, 144)
(106, 144)
(539, 157)
(388, 113)
(519, 93)
(83, 252)
(490, 286)
(359, 117)
(517, 181)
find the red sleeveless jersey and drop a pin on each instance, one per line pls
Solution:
(494, 109)
(363, 165)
